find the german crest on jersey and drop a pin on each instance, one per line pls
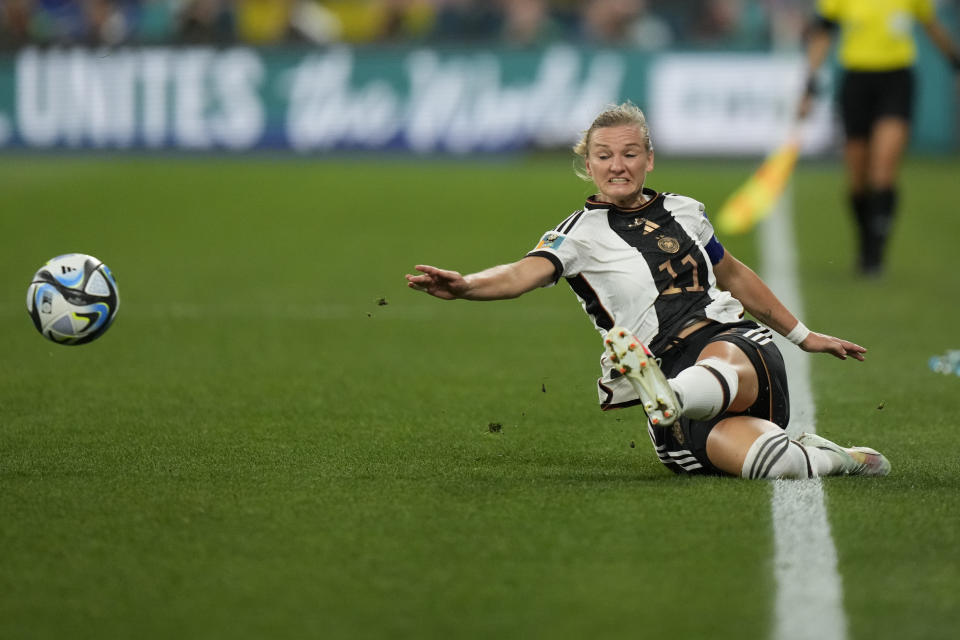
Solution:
(668, 244)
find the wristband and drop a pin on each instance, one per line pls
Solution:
(798, 334)
(812, 87)
(955, 61)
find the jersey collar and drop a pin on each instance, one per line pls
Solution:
(593, 203)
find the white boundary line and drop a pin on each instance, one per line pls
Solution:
(809, 603)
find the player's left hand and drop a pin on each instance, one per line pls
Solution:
(822, 343)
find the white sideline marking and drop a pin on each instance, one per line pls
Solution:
(809, 604)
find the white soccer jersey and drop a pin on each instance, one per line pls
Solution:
(648, 269)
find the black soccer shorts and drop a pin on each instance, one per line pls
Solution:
(867, 96)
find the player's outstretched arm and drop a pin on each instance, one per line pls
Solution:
(496, 283)
(754, 294)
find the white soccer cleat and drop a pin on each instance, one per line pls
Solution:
(634, 360)
(854, 461)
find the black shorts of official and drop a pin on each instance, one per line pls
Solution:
(867, 96)
(773, 402)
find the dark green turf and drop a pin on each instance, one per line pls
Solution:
(260, 447)
(897, 539)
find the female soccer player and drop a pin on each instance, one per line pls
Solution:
(877, 52)
(648, 270)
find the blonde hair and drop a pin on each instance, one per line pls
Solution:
(614, 116)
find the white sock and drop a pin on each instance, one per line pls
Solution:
(775, 455)
(706, 389)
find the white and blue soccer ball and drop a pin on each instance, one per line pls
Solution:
(73, 299)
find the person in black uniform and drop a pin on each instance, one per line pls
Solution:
(648, 270)
(877, 52)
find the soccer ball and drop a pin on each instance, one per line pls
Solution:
(73, 299)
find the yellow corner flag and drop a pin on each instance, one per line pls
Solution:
(754, 200)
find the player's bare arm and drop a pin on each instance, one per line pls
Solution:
(820, 39)
(757, 298)
(496, 283)
(941, 38)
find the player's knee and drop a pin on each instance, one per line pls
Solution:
(775, 455)
(725, 373)
(706, 389)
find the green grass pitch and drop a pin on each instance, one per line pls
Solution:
(278, 439)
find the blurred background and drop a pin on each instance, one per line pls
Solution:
(717, 77)
(649, 25)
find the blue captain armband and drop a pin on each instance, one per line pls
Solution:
(714, 250)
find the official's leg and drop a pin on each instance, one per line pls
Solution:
(857, 161)
(858, 103)
(856, 157)
(887, 144)
(889, 129)
(888, 141)
(860, 208)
